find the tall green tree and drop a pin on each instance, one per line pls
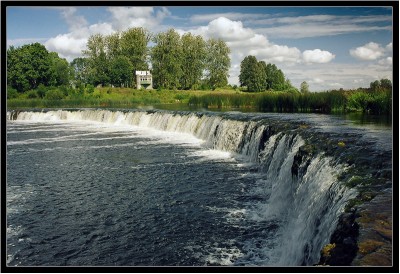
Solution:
(28, 66)
(97, 60)
(80, 67)
(134, 45)
(218, 63)
(193, 60)
(166, 58)
(275, 77)
(247, 67)
(113, 46)
(61, 72)
(252, 74)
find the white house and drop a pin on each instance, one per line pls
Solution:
(144, 79)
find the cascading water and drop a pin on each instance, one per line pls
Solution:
(305, 206)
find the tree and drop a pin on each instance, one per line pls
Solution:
(386, 84)
(61, 72)
(375, 86)
(28, 66)
(97, 59)
(304, 88)
(121, 71)
(252, 74)
(133, 45)
(113, 46)
(218, 63)
(80, 68)
(275, 77)
(193, 60)
(246, 68)
(289, 87)
(166, 57)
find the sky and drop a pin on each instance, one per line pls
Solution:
(328, 47)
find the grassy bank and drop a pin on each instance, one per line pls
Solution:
(108, 97)
(270, 101)
(324, 102)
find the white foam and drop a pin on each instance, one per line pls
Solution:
(212, 154)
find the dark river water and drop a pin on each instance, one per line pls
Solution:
(84, 192)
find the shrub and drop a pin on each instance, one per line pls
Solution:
(41, 90)
(96, 94)
(54, 94)
(32, 94)
(89, 88)
(11, 93)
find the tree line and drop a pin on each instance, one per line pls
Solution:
(177, 62)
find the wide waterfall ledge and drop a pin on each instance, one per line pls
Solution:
(321, 181)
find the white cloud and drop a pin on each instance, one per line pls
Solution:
(386, 61)
(225, 29)
(317, 56)
(320, 25)
(307, 30)
(368, 52)
(202, 18)
(317, 81)
(325, 18)
(67, 45)
(127, 17)
(389, 46)
(277, 53)
(75, 22)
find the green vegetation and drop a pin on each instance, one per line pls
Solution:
(89, 96)
(259, 76)
(186, 70)
(363, 100)
(379, 102)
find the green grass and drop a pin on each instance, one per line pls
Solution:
(269, 101)
(322, 102)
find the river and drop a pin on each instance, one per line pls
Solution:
(91, 187)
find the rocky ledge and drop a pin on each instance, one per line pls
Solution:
(363, 237)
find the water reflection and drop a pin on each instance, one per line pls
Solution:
(368, 119)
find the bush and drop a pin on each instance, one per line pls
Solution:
(32, 94)
(65, 90)
(11, 93)
(41, 90)
(96, 94)
(54, 94)
(180, 96)
(89, 88)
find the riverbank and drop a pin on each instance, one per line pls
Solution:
(336, 101)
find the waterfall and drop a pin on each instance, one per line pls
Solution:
(307, 205)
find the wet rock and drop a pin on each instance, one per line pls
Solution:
(302, 160)
(343, 247)
(375, 233)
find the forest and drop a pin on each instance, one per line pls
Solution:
(186, 69)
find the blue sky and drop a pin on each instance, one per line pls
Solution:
(329, 47)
